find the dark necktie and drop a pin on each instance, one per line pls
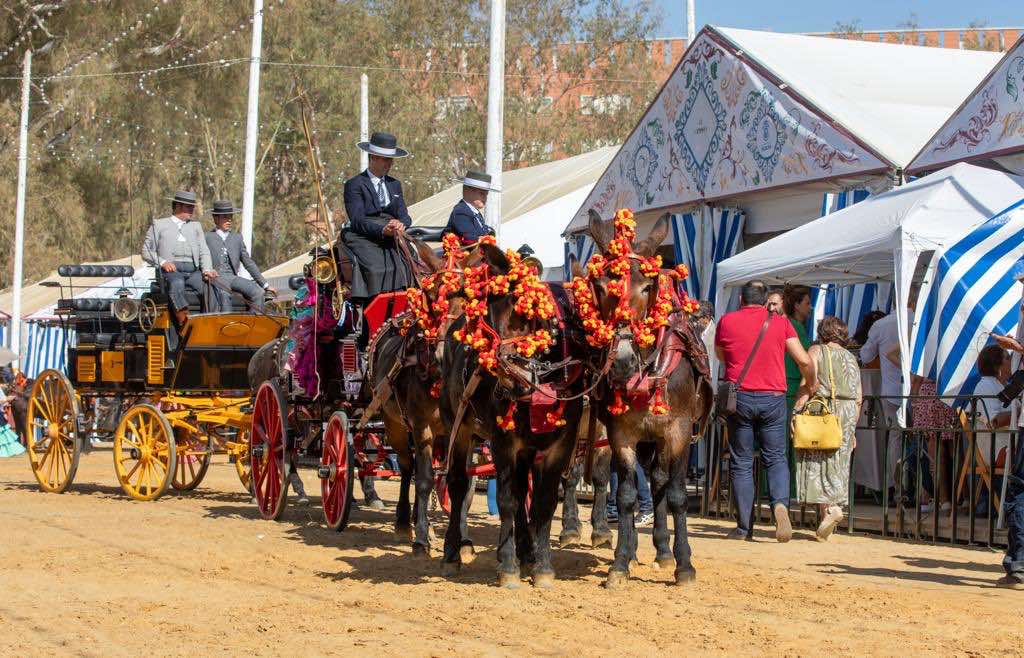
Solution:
(380, 192)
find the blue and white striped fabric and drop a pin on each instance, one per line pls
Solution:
(46, 347)
(704, 238)
(970, 290)
(848, 303)
(582, 247)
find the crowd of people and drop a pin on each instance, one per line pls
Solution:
(776, 370)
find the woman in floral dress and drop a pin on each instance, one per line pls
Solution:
(823, 476)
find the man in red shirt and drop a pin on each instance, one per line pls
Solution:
(760, 402)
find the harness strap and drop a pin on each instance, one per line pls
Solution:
(467, 393)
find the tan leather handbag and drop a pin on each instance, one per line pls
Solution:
(816, 427)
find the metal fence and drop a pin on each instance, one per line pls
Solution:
(959, 468)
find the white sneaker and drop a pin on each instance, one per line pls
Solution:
(644, 520)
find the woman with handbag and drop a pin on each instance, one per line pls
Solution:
(829, 420)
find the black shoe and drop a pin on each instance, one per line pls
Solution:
(613, 518)
(739, 534)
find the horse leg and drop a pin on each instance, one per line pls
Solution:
(600, 532)
(424, 487)
(547, 476)
(625, 547)
(659, 488)
(458, 486)
(676, 496)
(524, 470)
(466, 551)
(570, 508)
(398, 438)
(508, 509)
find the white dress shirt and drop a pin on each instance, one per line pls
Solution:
(375, 182)
(882, 338)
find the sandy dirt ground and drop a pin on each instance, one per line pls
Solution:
(92, 573)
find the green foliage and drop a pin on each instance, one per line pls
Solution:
(104, 154)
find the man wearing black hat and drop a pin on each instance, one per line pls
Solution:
(466, 220)
(175, 244)
(376, 215)
(229, 254)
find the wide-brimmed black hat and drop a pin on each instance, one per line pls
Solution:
(184, 196)
(224, 208)
(477, 179)
(383, 144)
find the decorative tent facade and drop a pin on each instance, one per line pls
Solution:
(769, 122)
(988, 127)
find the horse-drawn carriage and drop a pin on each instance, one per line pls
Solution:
(174, 397)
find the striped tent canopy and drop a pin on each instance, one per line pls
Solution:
(971, 289)
(704, 238)
(46, 347)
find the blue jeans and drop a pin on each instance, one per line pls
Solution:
(645, 502)
(492, 496)
(1014, 560)
(759, 417)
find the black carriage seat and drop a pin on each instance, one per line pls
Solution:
(158, 293)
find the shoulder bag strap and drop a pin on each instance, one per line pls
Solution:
(753, 351)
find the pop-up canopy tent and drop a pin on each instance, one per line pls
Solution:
(988, 127)
(881, 238)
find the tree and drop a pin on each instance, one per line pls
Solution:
(108, 149)
(848, 29)
(976, 38)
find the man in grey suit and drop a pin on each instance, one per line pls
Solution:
(229, 254)
(176, 245)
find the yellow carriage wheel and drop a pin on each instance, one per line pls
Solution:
(192, 456)
(243, 463)
(52, 431)
(144, 452)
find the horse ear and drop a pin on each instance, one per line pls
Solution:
(654, 239)
(495, 258)
(427, 255)
(603, 232)
(576, 269)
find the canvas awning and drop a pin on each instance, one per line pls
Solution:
(988, 125)
(749, 112)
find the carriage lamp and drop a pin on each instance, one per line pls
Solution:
(124, 308)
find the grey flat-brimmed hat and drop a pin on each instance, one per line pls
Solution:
(477, 179)
(184, 196)
(383, 144)
(224, 208)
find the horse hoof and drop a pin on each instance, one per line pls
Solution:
(664, 562)
(634, 565)
(597, 540)
(467, 554)
(569, 538)
(685, 576)
(420, 550)
(616, 580)
(508, 580)
(449, 569)
(544, 580)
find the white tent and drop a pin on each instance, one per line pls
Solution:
(988, 127)
(768, 122)
(880, 238)
(536, 202)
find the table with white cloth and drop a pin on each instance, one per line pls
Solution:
(867, 459)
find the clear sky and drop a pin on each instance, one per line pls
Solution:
(821, 15)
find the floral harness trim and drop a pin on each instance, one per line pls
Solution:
(615, 264)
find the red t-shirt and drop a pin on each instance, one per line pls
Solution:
(736, 334)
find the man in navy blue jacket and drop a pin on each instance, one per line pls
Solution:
(466, 220)
(376, 215)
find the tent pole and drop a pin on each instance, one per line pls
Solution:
(495, 112)
(19, 212)
(252, 125)
(364, 119)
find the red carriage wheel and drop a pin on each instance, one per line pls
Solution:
(268, 450)
(336, 472)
